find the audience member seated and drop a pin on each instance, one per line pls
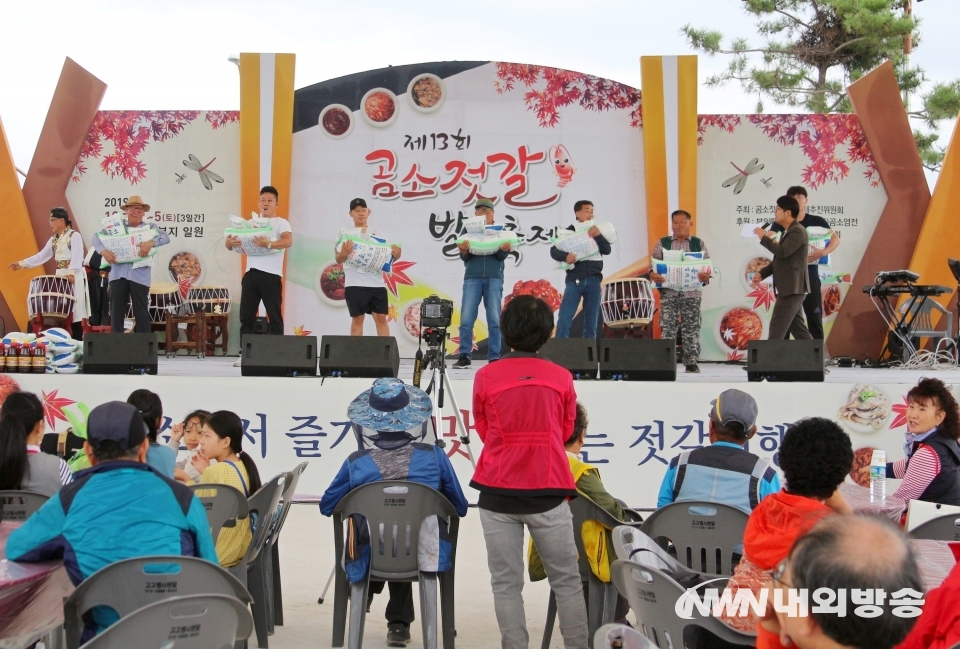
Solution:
(159, 457)
(846, 556)
(596, 539)
(221, 439)
(938, 627)
(815, 456)
(524, 407)
(118, 509)
(189, 431)
(22, 465)
(723, 472)
(389, 417)
(931, 469)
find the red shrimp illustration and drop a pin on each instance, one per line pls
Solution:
(562, 164)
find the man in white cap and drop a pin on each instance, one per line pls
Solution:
(392, 417)
(130, 281)
(723, 472)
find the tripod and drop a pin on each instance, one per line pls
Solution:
(439, 383)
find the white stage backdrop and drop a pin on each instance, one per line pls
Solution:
(291, 420)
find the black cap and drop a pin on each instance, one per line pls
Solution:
(357, 202)
(117, 421)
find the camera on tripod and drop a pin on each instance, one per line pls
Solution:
(436, 313)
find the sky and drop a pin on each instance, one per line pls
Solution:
(172, 54)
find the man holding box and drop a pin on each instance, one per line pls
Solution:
(681, 307)
(130, 280)
(263, 281)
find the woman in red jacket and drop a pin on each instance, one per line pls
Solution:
(524, 407)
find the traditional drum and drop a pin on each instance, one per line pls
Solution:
(214, 300)
(627, 303)
(164, 298)
(51, 298)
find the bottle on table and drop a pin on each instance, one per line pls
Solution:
(3, 358)
(13, 358)
(39, 359)
(26, 358)
(878, 476)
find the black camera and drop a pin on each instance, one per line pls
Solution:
(436, 313)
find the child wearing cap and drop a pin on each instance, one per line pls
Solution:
(390, 416)
(364, 290)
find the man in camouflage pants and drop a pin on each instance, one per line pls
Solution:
(676, 305)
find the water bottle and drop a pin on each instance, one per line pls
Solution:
(878, 476)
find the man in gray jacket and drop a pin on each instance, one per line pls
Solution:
(789, 269)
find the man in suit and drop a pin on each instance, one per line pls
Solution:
(789, 269)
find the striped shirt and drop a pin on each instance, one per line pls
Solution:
(66, 476)
(684, 245)
(917, 472)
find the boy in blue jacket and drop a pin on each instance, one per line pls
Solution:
(390, 415)
(119, 509)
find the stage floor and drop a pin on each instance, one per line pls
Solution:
(222, 366)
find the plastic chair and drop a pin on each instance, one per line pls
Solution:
(224, 505)
(395, 510)
(653, 597)
(942, 528)
(705, 534)
(921, 324)
(270, 561)
(601, 597)
(263, 514)
(128, 585)
(620, 636)
(18, 506)
(191, 622)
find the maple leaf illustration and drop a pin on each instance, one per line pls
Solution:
(53, 407)
(393, 313)
(735, 355)
(456, 341)
(185, 282)
(398, 276)
(727, 334)
(763, 296)
(900, 410)
(300, 331)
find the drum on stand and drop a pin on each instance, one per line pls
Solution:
(50, 300)
(627, 304)
(164, 298)
(212, 300)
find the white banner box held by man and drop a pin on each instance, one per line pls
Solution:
(369, 255)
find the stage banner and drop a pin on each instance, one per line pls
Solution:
(186, 166)
(288, 421)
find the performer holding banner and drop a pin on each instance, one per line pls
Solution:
(365, 255)
(483, 278)
(129, 245)
(66, 247)
(682, 302)
(263, 281)
(583, 275)
(791, 280)
(817, 255)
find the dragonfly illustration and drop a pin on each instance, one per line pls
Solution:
(180, 177)
(740, 180)
(206, 176)
(766, 181)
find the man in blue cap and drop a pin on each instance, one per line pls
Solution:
(723, 472)
(390, 416)
(482, 278)
(119, 509)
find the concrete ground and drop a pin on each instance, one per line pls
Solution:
(306, 559)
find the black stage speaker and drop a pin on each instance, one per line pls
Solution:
(119, 353)
(278, 356)
(579, 355)
(638, 359)
(785, 360)
(359, 356)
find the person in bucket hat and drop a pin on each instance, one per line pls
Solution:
(723, 472)
(130, 280)
(391, 416)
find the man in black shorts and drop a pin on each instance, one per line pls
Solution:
(365, 291)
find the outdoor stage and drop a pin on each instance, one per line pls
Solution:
(635, 427)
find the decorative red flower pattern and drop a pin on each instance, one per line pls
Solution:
(300, 330)
(763, 296)
(563, 88)
(735, 355)
(398, 276)
(900, 410)
(53, 407)
(819, 136)
(220, 118)
(724, 122)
